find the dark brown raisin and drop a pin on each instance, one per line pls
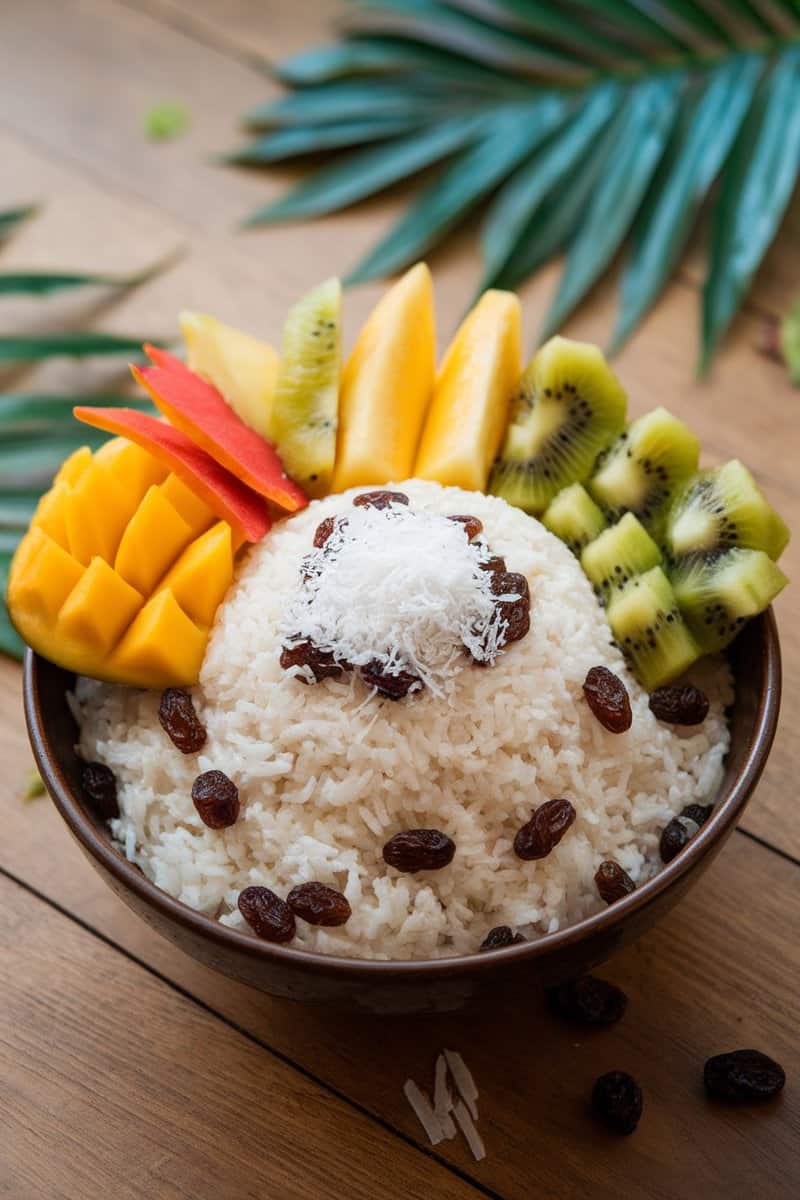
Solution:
(679, 704)
(100, 789)
(326, 528)
(216, 799)
(393, 687)
(743, 1075)
(266, 914)
(180, 722)
(419, 850)
(699, 813)
(546, 828)
(617, 1100)
(494, 564)
(612, 881)
(380, 499)
(500, 937)
(674, 837)
(507, 583)
(472, 526)
(305, 654)
(518, 621)
(319, 904)
(608, 699)
(588, 1001)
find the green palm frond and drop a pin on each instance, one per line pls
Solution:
(582, 128)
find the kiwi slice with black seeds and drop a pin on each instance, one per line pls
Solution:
(721, 509)
(617, 555)
(574, 517)
(643, 469)
(718, 595)
(649, 629)
(305, 408)
(569, 407)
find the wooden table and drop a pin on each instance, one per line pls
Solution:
(130, 1071)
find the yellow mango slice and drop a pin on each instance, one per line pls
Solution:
(51, 516)
(73, 467)
(203, 573)
(469, 410)
(96, 511)
(99, 608)
(162, 648)
(387, 385)
(155, 536)
(195, 512)
(42, 575)
(239, 366)
(133, 467)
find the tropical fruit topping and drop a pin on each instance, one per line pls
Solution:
(648, 626)
(717, 510)
(573, 516)
(242, 369)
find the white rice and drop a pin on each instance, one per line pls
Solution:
(327, 773)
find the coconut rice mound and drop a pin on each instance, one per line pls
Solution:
(328, 773)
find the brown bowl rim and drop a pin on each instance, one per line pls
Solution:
(724, 817)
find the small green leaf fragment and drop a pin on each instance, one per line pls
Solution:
(34, 786)
(166, 121)
(790, 342)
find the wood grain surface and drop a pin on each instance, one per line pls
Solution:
(130, 1070)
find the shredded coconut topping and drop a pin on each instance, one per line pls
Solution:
(402, 588)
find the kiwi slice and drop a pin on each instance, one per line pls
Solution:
(619, 553)
(648, 627)
(569, 407)
(718, 595)
(642, 470)
(720, 509)
(574, 517)
(305, 407)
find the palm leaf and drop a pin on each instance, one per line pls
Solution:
(10, 218)
(46, 283)
(665, 104)
(18, 348)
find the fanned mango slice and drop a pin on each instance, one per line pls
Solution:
(41, 578)
(198, 410)
(135, 469)
(469, 410)
(229, 498)
(155, 536)
(96, 511)
(387, 385)
(162, 647)
(51, 515)
(202, 574)
(243, 369)
(99, 608)
(73, 467)
(195, 512)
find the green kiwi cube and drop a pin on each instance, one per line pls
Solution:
(644, 467)
(648, 627)
(574, 517)
(617, 554)
(720, 509)
(718, 595)
(569, 406)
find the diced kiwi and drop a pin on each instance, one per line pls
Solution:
(642, 470)
(569, 407)
(617, 555)
(305, 409)
(718, 595)
(574, 517)
(717, 510)
(650, 631)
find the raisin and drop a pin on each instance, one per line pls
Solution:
(613, 883)
(326, 528)
(494, 564)
(510, 583)
(500, 937)
(674, 837)
(380, 499)
(216, 799)
(472, 525)
(699, 813)
(743, 1075)
(617, 1101)
(588, 1001)
(180, 722)
(266, 914)
(319, 904)
(100, 788)
(518, 621)
(515, 613)
(608, 699)
(393, 687)
(546, 828)
(679, 704)
(419, 850)
(305, 654)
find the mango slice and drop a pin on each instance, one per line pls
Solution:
(387, 385)
(73, 467)
(141, 615)
(198, 410)
(243, 369)
(476, 381)
(226, 495)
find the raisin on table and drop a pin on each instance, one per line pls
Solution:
(617, 1100)
(743, 1075)
(588, 1001)
(419, 850)
(179, 720)
(608, 699)
(539, 836)
(216, 798)
(267, 915)
(319, 904)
